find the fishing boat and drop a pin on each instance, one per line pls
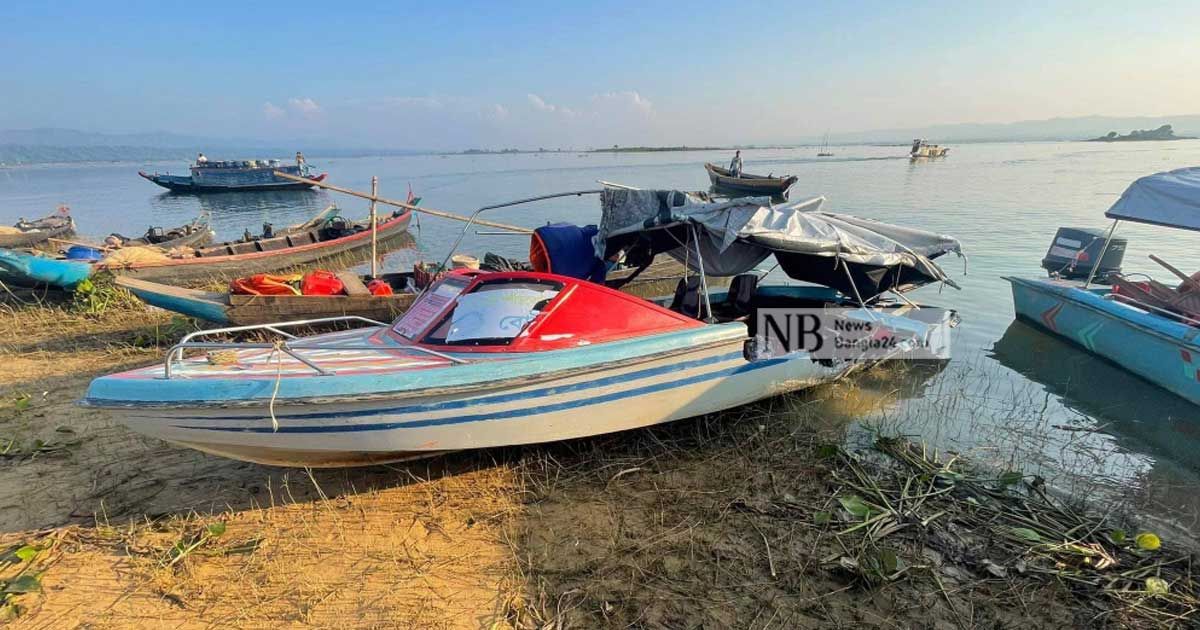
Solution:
(230, 175)
(234, 309)
(39, 231)
(747, 183)
(39, 269)
(921, 150)
(1146, 327)
(487, 359)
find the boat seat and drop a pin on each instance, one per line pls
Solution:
(687, 297)
(741, 294)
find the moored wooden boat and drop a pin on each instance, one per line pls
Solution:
(38, 269)
(748, 183)
(232, 309)
(225, 261)
(230, 175)
(39, 231)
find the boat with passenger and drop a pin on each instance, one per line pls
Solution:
(1149, 328)
(921, 149)
(229, 175)
(486, 359)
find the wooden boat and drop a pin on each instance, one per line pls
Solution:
(487, 359)
(39, 231)
(37, 269)
(227, 175)
(1148, 328)
(748, 183)
(231, 309)
(225, 261)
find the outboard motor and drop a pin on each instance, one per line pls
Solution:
(268, 230)
(1075, 252)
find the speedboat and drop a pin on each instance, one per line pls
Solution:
(488, 359)
(1148, 328)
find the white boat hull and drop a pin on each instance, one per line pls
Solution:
(600, 401)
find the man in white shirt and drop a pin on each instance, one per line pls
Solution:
(200, 159)
(735, 165)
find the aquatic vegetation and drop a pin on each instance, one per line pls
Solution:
(1007, 527)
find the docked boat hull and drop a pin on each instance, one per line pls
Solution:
(193, 270)
(1160, 350)
(62, 227)
(680, 379)
(186, 184)
(28, 270)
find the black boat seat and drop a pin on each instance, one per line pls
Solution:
(687, 297)
(741, 293)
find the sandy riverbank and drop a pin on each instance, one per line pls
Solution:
(717, 522)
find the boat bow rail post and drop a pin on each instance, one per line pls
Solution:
(290, 345)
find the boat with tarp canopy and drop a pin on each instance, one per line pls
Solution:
(860, 257)
(1146, 326)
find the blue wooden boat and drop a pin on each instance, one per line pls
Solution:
(30, 269)
(487, 359)
(1140, 333)
(230, 175)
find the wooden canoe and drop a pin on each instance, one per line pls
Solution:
(37, 232)
(748, 183)
(225, 261)
(244, 310)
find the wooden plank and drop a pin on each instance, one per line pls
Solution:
(353, 283)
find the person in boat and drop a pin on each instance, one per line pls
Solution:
(300, 159)
(201, 159)
(735, 165)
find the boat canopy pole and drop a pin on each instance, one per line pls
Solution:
(474, 218)
(1103, 251)
(398, 204)
(703, 279)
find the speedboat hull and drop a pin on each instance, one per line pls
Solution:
(1159, 349)
(501, 401)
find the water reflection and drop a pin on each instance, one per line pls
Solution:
(1141, 416)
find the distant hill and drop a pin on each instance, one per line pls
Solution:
(1164, 132)
(30, 146)
(1063, 129)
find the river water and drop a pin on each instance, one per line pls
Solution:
(1010, 395)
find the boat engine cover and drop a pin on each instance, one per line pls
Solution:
(1075, 252)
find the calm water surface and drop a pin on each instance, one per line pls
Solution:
(1010, 395)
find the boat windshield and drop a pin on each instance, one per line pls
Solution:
(431, 304)
(494, 313)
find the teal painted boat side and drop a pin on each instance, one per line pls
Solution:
(25, 269)
(1160, 350)
(197, 307)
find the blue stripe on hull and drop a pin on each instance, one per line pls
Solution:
(504, 415)
(200, 309)
(1155, 348)
(489, 400)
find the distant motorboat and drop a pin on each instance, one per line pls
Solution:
(228, 175)
(921, 149)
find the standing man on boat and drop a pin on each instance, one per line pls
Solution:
(200, 159)
(735, 165)
(300, 160)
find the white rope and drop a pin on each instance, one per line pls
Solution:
(277, 352)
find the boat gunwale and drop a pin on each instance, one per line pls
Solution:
(453, 390)
(1033, 284)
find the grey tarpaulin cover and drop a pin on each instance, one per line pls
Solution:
(737, 234)
(1171, 199)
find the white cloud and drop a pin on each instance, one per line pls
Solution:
(304, 106)
(541, 105)
(272, 111)
(630, 100)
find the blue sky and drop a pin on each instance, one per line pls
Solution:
(423, 75)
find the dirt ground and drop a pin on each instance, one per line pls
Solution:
(707, 523)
